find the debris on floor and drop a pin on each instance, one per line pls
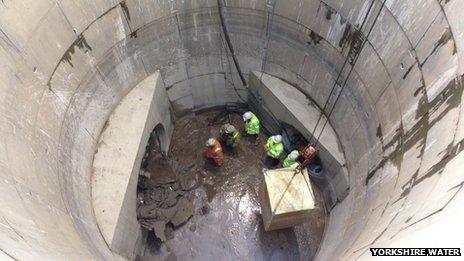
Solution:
(185, 210)
(197, 211)
(164, 196)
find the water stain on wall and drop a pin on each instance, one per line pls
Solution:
(125, 10)
(444, 39)
(81, 43)
(448, 99)
(315, 38)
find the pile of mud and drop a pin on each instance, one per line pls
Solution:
(165, 199)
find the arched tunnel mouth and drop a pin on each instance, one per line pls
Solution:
(192, 209)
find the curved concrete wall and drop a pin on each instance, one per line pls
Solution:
(66, 64)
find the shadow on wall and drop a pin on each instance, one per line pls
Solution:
(158, 142)
(159, 135)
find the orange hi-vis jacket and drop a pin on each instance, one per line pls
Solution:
(215, 153)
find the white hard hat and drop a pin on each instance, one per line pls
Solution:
(247, 115)
(230, 128)
(293, 155)
(210, 142)
(277, 138)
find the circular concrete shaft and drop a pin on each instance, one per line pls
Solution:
(64, 66)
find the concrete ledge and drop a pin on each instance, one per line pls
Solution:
(117, 162)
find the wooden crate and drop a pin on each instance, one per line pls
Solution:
(286, 198)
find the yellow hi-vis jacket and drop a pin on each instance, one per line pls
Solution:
(274, 150)
(252, 125)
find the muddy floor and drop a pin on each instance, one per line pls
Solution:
(226, 222)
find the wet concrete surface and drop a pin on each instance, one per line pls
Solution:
(227, 224)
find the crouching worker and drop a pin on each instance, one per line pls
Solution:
(230, 136)
(214, 152)
(291, 160)
(274, 149)
(251, 124)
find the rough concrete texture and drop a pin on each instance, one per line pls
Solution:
(65, 65)
(117, 160)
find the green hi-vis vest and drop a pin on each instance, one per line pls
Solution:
(274, 149)
(236, 137)
(233, 139)
(252, 125)
(288, 163)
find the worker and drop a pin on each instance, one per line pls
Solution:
(291, 160)
(229, 136)
(251, 124)
(309, 154)
(274, 149)
(214, 151)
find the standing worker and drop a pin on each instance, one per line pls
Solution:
(290, 160)
(229, 136)
(274, 149)
(251, 124)
(214, 151)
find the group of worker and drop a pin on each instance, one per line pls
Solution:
(230, 138)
